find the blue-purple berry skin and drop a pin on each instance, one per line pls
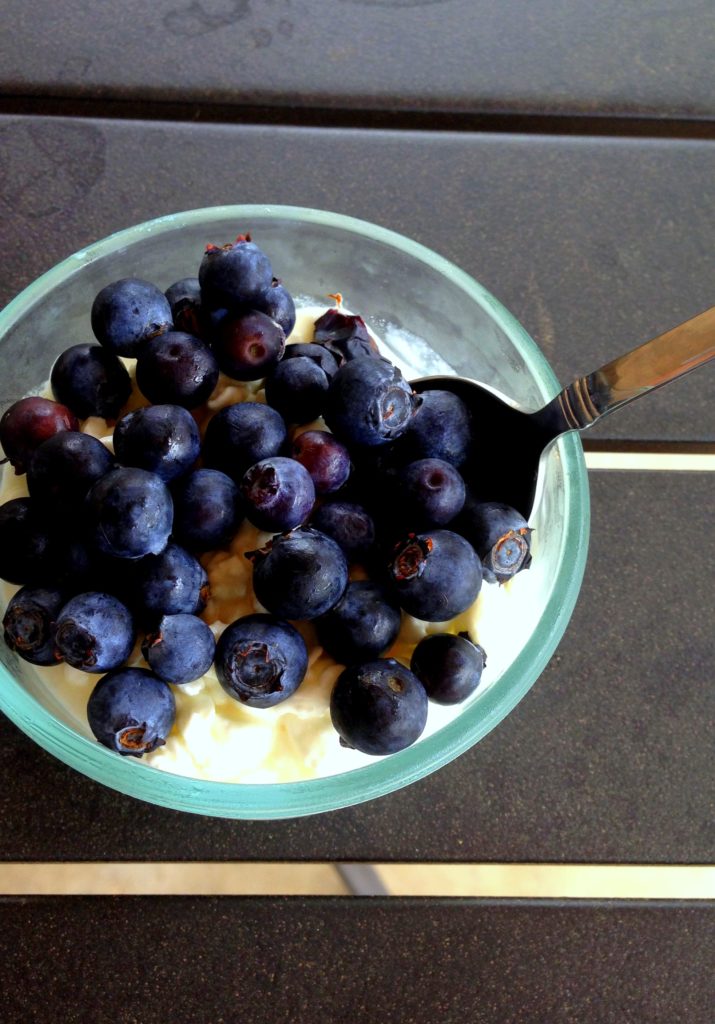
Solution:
(163, 439)
(91, 381)
(261, 660)
(130, 513)
(181, 649)
(186, 289)
(131, 711)
(430, 492)
(277, 303)
(378, 707)
(369, 402)
(449, 667)
(440, 429)
(186, 309)
(28, 546)
(301, 575)
(240, 435)
(65, 467)
(435, 576)
(349, 524)
(126, 314)
(233, 275)
(177, 369)
(326, 459)
(499, 534)
(79, 566)
(94, 632)
(207, 510)
(27, 423)
(29, 623)
(278, 494)
(248, 346)
(345, 335)
(362, 625)
(169, 583)
(317, 354)
(298, 389)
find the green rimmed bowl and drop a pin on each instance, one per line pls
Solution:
(431, 315)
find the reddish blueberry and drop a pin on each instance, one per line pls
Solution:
(29, 422)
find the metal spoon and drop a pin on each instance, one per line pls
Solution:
(509, 443)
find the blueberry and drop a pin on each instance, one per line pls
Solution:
(127, 313)
(500, 535)
(170, 583)
(91, 381)
(248, 346)
(449, 667)
(300, 575)
(440, 429)
(236, 274)
(29, 623)
(130, 513)
(277, 303)
(78, 565)
(240, 435)
(431, 492)
(163, 439)
(349, 525)
(213, 318)
(64, 467)
(369, 402)
(28, 548)
(178, 369)
(362, 625)
(372, 482)
(181, 649)
(186, 310)
(260, 661)
(344, 335)
(298, 389)
(325, 458)
(207, 510)
(278, 494)
(94, 632)
(378, 707)
(131, 711)
(435, 576)
(317, 354)
(29, 422)
(83, 568)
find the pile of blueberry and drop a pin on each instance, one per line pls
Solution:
(106, 547)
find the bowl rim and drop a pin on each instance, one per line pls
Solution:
(305, 797)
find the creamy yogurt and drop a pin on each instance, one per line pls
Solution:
(215, 737)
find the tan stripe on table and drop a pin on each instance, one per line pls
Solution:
(485, 880)
(671, 456)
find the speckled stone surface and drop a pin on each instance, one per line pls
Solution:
(608, 758)
(277, 961)
(595, 245)
(395, 54)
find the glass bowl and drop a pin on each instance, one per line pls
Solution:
(431, 314)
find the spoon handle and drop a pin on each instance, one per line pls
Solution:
(651, 365)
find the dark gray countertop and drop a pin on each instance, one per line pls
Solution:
(400, 55)
(608, 758)
(594, 244)
(356, 960)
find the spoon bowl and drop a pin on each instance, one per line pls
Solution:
(509, 443)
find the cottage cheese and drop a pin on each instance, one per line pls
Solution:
(217, 738)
